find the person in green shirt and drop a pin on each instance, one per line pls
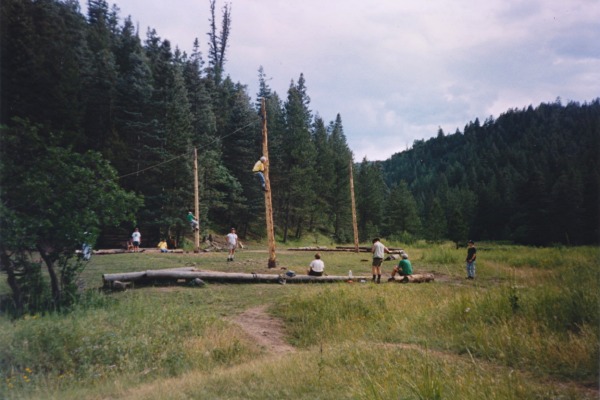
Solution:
(404, 267)
(193, 221)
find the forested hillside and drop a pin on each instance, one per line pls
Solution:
(93, 83)
(531, 176)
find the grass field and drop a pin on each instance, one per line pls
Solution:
(526, 328)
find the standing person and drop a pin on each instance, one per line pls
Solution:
(193, 221)
(232, 243)
(259, 169)
(136, 239)
(378, 251)
(404, 267)
(471, 256)
(316, 267)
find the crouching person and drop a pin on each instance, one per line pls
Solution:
(404, 267)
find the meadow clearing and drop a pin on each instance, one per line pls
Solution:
(526, 328)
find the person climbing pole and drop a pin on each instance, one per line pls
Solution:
(258, 170)
(193, 221)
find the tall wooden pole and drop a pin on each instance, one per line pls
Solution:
(196, 203)
(354, 224)
(268, 199)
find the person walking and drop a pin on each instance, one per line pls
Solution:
(232, 243)
(136, 240)
(258, 170)
(378, 251)
(471, 256)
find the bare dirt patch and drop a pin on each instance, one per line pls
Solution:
(265, 329)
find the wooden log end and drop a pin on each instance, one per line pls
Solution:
(120, 286)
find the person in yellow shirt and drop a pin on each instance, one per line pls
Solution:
(162, 245)
(259, 169)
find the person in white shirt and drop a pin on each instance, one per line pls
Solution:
(317, 266)
(378, 252)
(232, 243)
(136, 238)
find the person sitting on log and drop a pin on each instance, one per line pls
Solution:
(404, 267)
(162, 246)
(317, 266)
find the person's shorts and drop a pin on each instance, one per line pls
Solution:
(377, 262)
(136, 243)
(231, 246)
(315, 273)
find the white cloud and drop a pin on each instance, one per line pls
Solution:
(398, 70)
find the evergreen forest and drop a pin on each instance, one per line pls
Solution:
(77, 88)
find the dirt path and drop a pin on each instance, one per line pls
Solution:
(266, 330)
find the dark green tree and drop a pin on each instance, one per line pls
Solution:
(43, 66)
(298, 174)
(371, 192)
(340, 206)
(101, 82)
(320, 214)
(53, 201)
(401, 212)
(217, 43)
(437, 226)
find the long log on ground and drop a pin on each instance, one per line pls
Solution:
(367, 249)
(324, 249)
(108, 251)
(215, 276)
(178, 251)
(136, 276)
(415, 278)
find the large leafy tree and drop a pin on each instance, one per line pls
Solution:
(53, 200)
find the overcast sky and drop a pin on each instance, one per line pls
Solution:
(396, 71)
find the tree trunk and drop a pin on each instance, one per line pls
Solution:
(12, 281)
(54, 283)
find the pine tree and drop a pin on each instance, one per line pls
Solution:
(370, 198)
(339, 199)
(298, 173)
(401, 212)
(100, 90)
(437, 225)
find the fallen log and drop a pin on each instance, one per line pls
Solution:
(215, 276)
(415, 278)
(136, 276)
(108, 251)
(367, 249)
(324, 249)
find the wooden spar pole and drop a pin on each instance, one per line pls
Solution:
(354, 224)
(268, 199)
(196, 203)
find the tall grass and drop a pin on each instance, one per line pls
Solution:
(527, 327)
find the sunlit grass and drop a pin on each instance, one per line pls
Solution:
(527, 327)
